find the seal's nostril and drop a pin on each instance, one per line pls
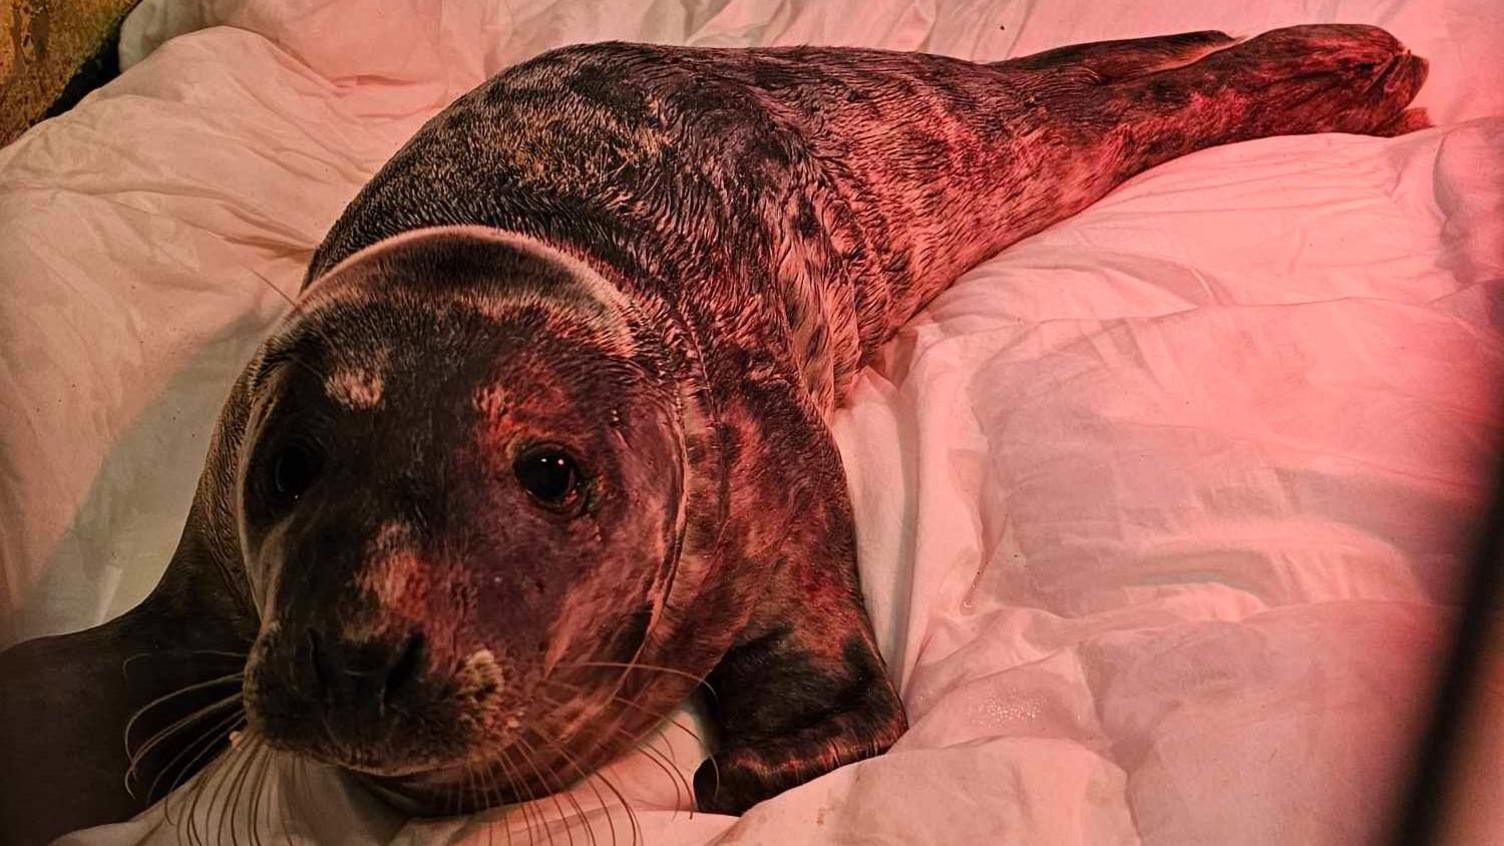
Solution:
(315, 661)
(406, 667)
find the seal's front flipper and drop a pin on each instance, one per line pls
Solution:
(172, 663)
(65, 703)
(803, 689)
(1114, 61)
(790, 711)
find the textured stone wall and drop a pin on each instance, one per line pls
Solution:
(44, 45)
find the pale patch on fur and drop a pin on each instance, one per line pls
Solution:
(587, 603)
(566, 628)
(394, 574)
(480, 674)
(391, 535)
(491, 401)
(357, 389)
(270, 629)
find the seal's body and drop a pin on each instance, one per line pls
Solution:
(544, 442)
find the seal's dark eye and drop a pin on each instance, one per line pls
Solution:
(294, 468)
(549, 475)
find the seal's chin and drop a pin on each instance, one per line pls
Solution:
(426, 793)
(388, 769)
(444, 791)
(416, 787)
(367, 749)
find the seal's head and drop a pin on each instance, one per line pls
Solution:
(460, 492)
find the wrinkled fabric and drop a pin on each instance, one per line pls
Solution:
(1162, 513)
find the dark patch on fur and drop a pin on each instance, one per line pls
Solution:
(622, 100)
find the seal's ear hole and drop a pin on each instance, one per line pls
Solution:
(293, 469)
(550, 476)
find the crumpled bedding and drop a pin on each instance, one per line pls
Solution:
(1162, 513)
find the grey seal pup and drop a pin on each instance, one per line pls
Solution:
(543, 447)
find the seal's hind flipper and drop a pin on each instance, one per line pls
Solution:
(1129, 58)
(1410, 120)
(1293, 81)
(937, 163)
(803, 689)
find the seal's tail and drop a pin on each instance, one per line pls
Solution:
(1293, 81)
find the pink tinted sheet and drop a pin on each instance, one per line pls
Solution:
(1161, 512)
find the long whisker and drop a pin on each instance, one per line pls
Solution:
(600, 801)
(290, 301)
(268, 757)
(217, 680)
(568, 794)
(615, 727)
(664, 763)
(243, 755)
(232, 780)
(206, 741)
(232, 798)
(629, 666)
(140, 712)
(534, 804)
(462, 794)
(303, 784)
(454, 803)
(298, 309)
(248, 783)
(482, 778)
(636, 706)
(672, 763)
(678, 778)
(527, 756)
(135, 759)
(522, 804)
(631, 814)
(176, 653)
(202, 782)
(482, 799)
(659, 759)
(467, 780)
(208, 777)
(281, 786)
(488, 799)
(288, 789)
(495, 790)
(277, 792)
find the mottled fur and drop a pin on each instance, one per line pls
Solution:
(675, 261)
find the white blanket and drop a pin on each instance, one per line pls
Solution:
(1161, 512)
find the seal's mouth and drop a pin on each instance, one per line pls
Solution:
(365, 749)
(399, 765)
(377, 765)
(512, 774)
(433, 792)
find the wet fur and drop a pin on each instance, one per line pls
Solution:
(739, 230)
